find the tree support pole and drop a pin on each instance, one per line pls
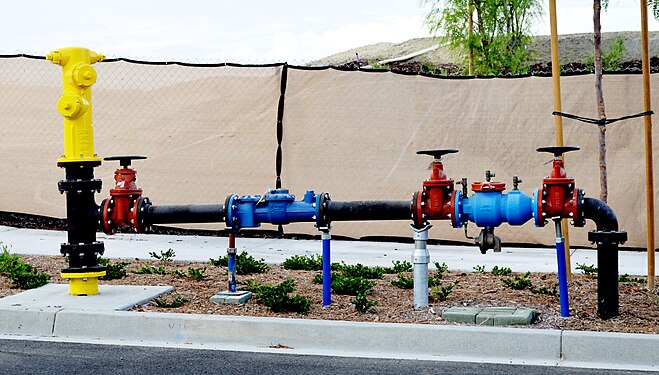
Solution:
(649, 175)
(558, 120)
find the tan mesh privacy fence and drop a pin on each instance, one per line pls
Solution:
(212, 131)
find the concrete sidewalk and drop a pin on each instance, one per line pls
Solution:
(200, 248)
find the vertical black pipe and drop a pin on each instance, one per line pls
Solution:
(607, 237)
(81, 216)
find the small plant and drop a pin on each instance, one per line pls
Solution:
(441, 269)
(175, 302)
(22, 275)
(303, 262)
(29, 280)
(277, 297)
(148, 270)
(197, 273)
(480, 268)
(245, 263)
(544, 290)
(378, 66)
(220, 262)
(587, 270)
(519, 282)
(403, 282)
(360, 270)
(399, 267)
(164, 256)
(351, 285)
(626, 279)
(503, 271)
(363, 304)
(318, 278)
(440, 293)
(113, 271)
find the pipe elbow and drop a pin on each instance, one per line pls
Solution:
(600, 213)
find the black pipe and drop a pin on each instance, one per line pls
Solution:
(368, 210)
(607, 237)
(179, 214)
(82, 249)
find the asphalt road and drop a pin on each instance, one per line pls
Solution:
(39, 357)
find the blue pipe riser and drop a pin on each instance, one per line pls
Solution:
(275, 207)
(491, 209)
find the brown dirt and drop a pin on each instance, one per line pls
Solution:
(639, 307)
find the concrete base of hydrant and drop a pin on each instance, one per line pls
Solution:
(231, 297)
(109, 297)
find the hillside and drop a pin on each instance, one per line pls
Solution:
(573, 48)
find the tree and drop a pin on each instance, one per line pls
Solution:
(601, 113)
(501, 31)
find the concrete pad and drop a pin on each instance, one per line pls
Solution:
(109, 297)
(611, 350)
(231, 297)
(18, 320)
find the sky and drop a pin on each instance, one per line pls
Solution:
(256, 31)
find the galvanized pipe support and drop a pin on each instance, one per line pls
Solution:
(420, 260)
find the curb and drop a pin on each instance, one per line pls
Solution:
(338, 338)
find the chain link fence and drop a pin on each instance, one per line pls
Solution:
(210, 130)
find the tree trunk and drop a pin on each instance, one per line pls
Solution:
(597, 41)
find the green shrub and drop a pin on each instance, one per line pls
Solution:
(544, 290)
(277, 297)
(519, 282)
(148, 270)
(165, 256)
(440, 293)
(362, 304)
(303, 262)
(113, 270)
(177, 301)
(626, 279)
(587, 270)
(403, 282)
(503, 271)
(22, 275)
(480, 268)
(399, 267)
(197, 273)
(245, 263)
(441, 269)
(360, 270)
(352, 286)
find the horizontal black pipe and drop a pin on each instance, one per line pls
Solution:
(368, 210)
(607, 255)
(180, 214)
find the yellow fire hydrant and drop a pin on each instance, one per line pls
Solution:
(79, 161)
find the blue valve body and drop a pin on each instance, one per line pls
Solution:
(275, 207)
(492, 208)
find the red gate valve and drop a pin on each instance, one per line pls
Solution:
(436, 200)
(558, 196)
(120, 210)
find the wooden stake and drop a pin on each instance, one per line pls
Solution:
(649, 180)
(558, 120)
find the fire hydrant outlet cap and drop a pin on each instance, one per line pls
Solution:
(70, 105)
(84, 75)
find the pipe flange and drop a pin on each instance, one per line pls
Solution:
(322, 202)
(613, 238)
(141, 209)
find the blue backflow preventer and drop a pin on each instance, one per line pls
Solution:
(274, 207)
(492, 208)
